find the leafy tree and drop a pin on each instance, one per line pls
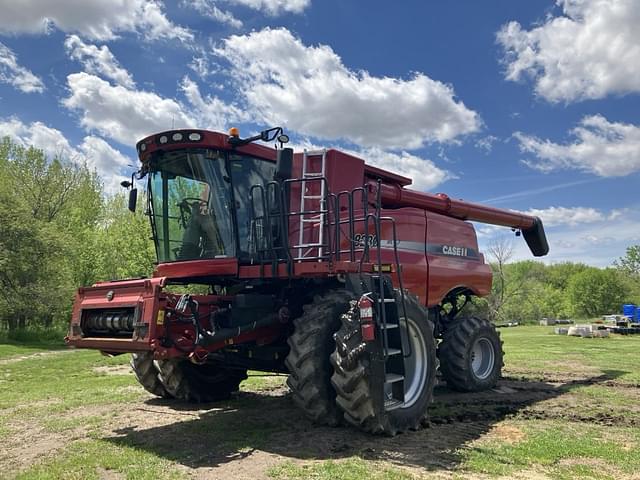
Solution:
(595, 292)
(630, 263)
(48, 208)
(122, 243)
(500, 250)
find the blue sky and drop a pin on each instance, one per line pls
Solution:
(524, 105)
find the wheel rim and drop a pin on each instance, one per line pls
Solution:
(415, 365)
(482, 358)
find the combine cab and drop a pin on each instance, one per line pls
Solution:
(316, 265)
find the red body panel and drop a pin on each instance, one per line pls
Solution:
(197, 268)
(428, 274)
(437, 249)
(143, 295)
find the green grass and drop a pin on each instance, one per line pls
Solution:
(91, 459)
(260, 381)
(64, 381)
(532, 351)
(10, 349)
(552, 444)
(63, 395)
(346, 469)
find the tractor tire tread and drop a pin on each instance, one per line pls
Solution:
(184, 382)
(147, 374)
(454, 351)
(310, 345)
(355, 396)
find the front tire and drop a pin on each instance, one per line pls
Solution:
(193, 383)
(147, 374)
(361, 394)
(471, 356)
(311, 344)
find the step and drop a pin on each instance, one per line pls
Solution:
(388, 300)
(313, 175)
(393, 377)
(313, 197)
(313, 153)
(389, 326)
(393, 351)
(310, 220)
(392, 404)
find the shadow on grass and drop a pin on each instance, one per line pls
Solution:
(228, 431)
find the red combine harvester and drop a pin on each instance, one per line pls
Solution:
(316, 265)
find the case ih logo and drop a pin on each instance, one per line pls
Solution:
(456, 251)
(452, 251)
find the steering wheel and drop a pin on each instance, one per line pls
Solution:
(187, 206)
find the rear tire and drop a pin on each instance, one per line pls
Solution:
(361, 401)
(189, 382)
(147, 374)
(471, 356)
(308, 362)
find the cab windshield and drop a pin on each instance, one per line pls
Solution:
(199, 203)
(189, 199)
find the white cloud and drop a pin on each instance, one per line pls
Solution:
(37, 134)
(95, 19)
(590, 51)
(571, 216)
(310, 90)
(425, 174)
(576, 234)
(94, 151)
(273, 8)
(122, 114)
(200, 65)
(212, 113)
(16, 75)
(486, 143)
(607, 149)
(98, 60)
(594, 243)
(128, 115)
(209, 8)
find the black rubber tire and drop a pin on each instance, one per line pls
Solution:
(147, 374)
(311, 345)
(455, 356)
(352, 377)
(192, 383)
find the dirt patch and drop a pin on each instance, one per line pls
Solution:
(113, 370)
(27, 442)
(7, 361)
(261, 428)
(505, 433)
(598, 465)
(104, 474)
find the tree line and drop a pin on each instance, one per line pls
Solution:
(528, 291)
(59, 231)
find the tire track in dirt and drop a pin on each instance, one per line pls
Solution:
(272, 430)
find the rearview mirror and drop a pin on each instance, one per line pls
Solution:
(133, 199)
(284, 164)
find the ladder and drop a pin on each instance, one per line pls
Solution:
(392, 342)
(320, 214)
